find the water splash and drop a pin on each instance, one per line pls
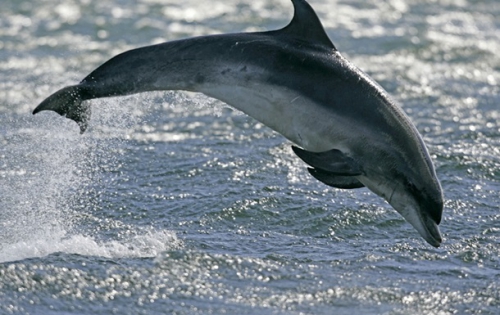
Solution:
(149, 244)
(47, 175)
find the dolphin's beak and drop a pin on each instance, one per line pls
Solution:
(419, 207)
(424, 224)
(431, 233)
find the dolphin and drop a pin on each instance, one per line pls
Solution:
(344, 125)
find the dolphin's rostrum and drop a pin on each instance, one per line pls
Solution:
(295, 81)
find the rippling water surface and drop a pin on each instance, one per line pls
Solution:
(174, 203)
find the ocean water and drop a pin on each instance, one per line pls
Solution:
(173, 203)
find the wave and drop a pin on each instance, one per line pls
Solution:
(149, 244)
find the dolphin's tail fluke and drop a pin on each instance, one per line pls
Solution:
(68, 102)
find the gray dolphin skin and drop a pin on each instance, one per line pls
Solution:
(294, 81)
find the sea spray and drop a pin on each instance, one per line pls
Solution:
(51, 179)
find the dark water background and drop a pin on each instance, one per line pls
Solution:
(172, 203)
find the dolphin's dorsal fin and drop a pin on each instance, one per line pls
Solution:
(306, 25)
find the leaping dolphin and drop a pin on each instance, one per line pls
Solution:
(293, 80)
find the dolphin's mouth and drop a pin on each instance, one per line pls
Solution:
(425, 226)
(431, 234)
(423, 223)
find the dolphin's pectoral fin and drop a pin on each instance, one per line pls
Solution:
(332, 167)
(334, 162)
(337, 181)
(68, 102)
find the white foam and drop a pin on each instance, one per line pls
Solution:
(149, 244)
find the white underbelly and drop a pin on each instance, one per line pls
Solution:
(302, 121)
